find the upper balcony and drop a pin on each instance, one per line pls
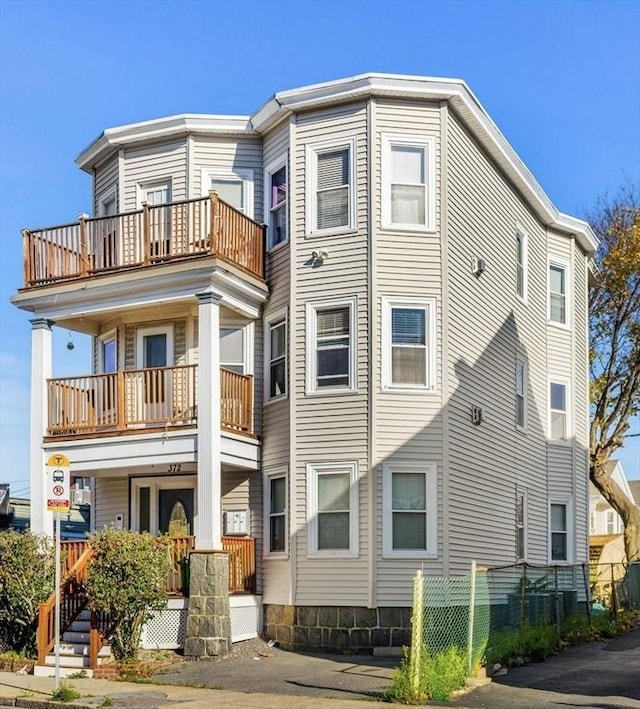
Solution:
(153, 235)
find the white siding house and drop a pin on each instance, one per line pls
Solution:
(349, 329)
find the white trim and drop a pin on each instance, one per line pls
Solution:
(570, 530)
(563, 264)
(521, 361)
(428, 143)
(522, 233)
(269, 170)
(311, 213)
(312, 307)
(279, 316)
(430, 471)
(266, 553)
(568, 433)
(244, 175)
(157, 483)
(142, 332)
(429, 307)
(161, 183)
(313, 471)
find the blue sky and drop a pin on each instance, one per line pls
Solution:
(560, 79)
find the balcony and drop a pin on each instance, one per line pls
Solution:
(153, 235)
(143, 399)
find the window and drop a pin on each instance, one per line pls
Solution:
(521, 531)
(276, 203)
(409, 514)
(521, 393)
(559, 532)
(408, 331)
(610, 522)
(330, 198)
(276, 356)
(521, 264)
(558, 290)
(332, 509)
(155, 194)
(408, 182)
(235, 187)
(331, 346)
(558, 412)
(232, 349)
(276, 514)
(592, 522)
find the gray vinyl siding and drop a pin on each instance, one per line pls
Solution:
(105, 181)
(408, 264)
(488, 326)
(228, 153)
(155, 163)
(330, 428)
(242, 490)
(110, 498)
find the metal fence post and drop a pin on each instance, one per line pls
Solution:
(523, 597)
(614, 598)
(417, 631)
(472, 613)
(587, 593)
(557, 599)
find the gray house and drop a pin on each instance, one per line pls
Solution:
(346, 335)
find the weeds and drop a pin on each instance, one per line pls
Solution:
(65, 693)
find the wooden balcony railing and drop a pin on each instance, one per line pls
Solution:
(151, 235)
(143, 398)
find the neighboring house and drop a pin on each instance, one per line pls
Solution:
(603, 519)
(398, 382)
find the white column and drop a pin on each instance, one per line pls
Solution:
(41, 520)
(208, 518)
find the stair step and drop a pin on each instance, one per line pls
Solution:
(76, 636)
(49, 671)
(80, 626)
(77, 661)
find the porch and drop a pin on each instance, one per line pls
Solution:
(143, 238)
(140, 399)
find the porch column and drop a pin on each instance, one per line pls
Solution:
(208, 518)
(41, 520)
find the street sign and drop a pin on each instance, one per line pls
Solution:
(58, 483)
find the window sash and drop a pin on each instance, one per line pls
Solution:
(333, 511)
(333, 347)
(558, 411)
(559, 532)
(521, 393)
(557, 294)
(409, 511)
(277, 514)
(333, 189)
(277, 359)
(520, 257)
(520, 526)
(278, 206)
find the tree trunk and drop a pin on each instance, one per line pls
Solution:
(628, 511)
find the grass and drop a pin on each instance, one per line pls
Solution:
(65, 693)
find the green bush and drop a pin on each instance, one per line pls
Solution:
(65, 693)
(27, 576)
(127, 579)
(438, 677)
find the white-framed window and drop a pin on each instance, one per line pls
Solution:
(108, 352)
(232, 348)
(559, 420)
(331, 346)
(108, 203)
(558, 293)
(330, 197)
(275, 355)
(155, 346)
(154, 193)
(276, 202)
(522, 257)
(409, 498)
(560, 531)
(611, 529)
(408, 336)
(275, 514)
(235, 187)
(408, 182)
(521, 525)
(332, 509)
(521, 393)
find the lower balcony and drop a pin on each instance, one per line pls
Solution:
(143, 399)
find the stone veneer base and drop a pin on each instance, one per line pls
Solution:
(337, 628)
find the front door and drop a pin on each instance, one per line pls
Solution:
(159, 218)
(176, 512)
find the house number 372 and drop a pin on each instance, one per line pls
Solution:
(175, 467)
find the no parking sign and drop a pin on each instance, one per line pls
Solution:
(58, 483)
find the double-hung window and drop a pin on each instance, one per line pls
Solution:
(521, 530)
(558, 293)
(558, 410)
(521, 265)
(235, 187)
(410, 509)
(408, 172)
(276, 355)
(408, 334)
(330, 188)
(331, 348)
(332, 509)
(521, 393)
(276, 514)
(559, 531)
(276, 202)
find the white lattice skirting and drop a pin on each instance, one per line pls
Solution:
(165, 630)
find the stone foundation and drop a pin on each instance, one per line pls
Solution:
(208, 631)
(337, 628)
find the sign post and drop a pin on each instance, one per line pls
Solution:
(58, 500)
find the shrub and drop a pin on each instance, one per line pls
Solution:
(27, 575)
(126, 579)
